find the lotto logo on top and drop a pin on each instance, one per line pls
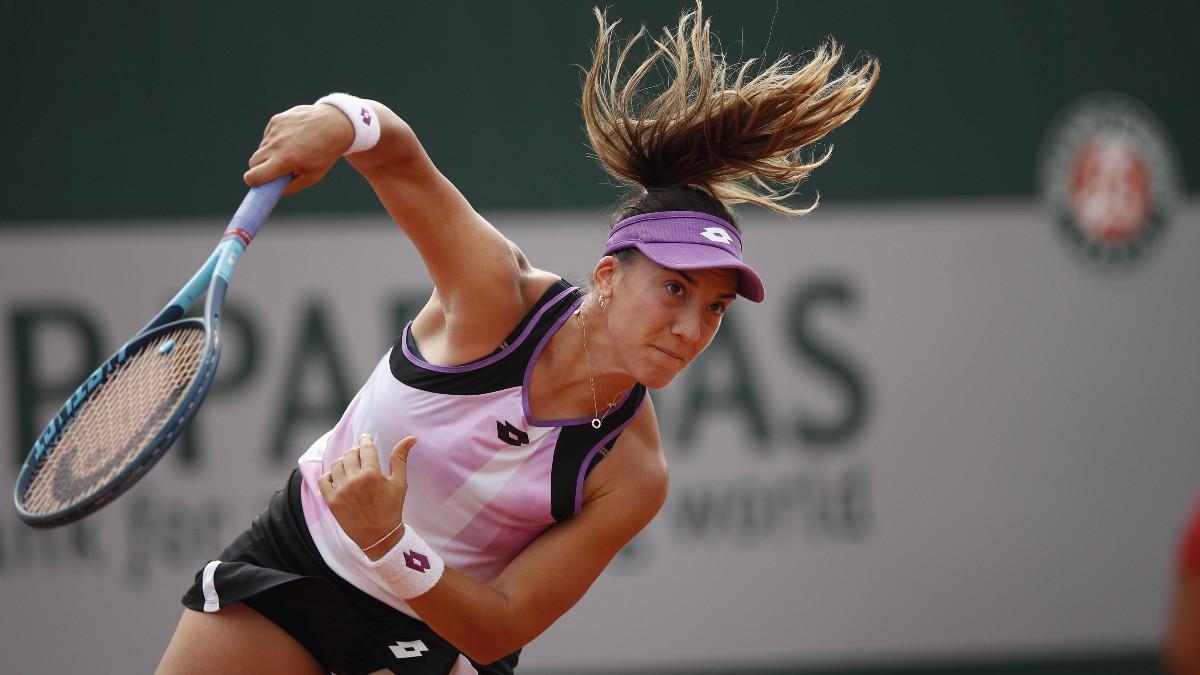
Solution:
(717, 234)
(511, 434)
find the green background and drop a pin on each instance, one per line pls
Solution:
(143, 109)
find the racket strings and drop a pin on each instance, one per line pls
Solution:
(117, 421)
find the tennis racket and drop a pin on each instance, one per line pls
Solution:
(126, 414)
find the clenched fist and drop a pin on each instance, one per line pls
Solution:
(367, 504)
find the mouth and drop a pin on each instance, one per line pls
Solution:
(670, 354)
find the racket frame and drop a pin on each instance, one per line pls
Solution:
(214, 276)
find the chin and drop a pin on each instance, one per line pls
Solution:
(656, 378)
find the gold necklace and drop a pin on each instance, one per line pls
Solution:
(597, 417)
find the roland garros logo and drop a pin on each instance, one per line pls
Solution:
(1110, 176)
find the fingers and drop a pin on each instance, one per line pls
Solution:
(302, 180)
(369, 457)
(306, 141)
(262, 168)
(267, 169)
(351, 461)
(399, 459)
(364, 459)
(260, 155)
(337, 471)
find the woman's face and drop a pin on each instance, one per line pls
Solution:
(661, 319)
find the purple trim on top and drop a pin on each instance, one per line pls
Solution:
(529, 373)
(476, 365)
(587, 460)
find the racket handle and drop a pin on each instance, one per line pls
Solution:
(255, 208)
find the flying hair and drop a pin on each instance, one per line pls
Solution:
(728, 130)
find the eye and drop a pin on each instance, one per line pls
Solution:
(674, 288)
(718, 308)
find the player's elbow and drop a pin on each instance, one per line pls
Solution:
(486, 657)
(495, 641)
(490, 650)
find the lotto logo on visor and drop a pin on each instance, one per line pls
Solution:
(717, 234)
(687, 240)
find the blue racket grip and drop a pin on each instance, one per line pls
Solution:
(255, 208)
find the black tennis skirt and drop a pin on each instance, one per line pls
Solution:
(274, 567)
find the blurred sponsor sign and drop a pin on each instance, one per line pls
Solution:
(938, 435)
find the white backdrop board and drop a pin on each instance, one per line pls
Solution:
(942, 434)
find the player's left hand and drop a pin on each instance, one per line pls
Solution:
(366, 503)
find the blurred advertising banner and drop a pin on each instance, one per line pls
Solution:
(946, 432)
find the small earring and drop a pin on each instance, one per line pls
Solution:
(601, 300)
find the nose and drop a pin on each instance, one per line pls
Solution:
(686, 327)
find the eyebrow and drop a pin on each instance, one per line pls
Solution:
(690, 280)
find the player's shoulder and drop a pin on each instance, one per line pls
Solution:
(534, 284)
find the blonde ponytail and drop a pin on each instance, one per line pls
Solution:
(734, 134)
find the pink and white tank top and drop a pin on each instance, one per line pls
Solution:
(485, 477)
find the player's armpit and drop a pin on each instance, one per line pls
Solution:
(450, 236)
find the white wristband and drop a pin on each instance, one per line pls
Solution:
(411, 568)
(361, 115)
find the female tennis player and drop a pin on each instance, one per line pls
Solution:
(505, 449)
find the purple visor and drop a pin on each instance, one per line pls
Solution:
(687, 240)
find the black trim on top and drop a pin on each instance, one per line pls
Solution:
(505, 373)
(575, 443)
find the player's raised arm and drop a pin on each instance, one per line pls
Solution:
(475, 308)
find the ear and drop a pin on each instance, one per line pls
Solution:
(604, 276)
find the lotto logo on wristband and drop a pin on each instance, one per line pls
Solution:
(411, 554)
(416, 561)
(361, 115)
